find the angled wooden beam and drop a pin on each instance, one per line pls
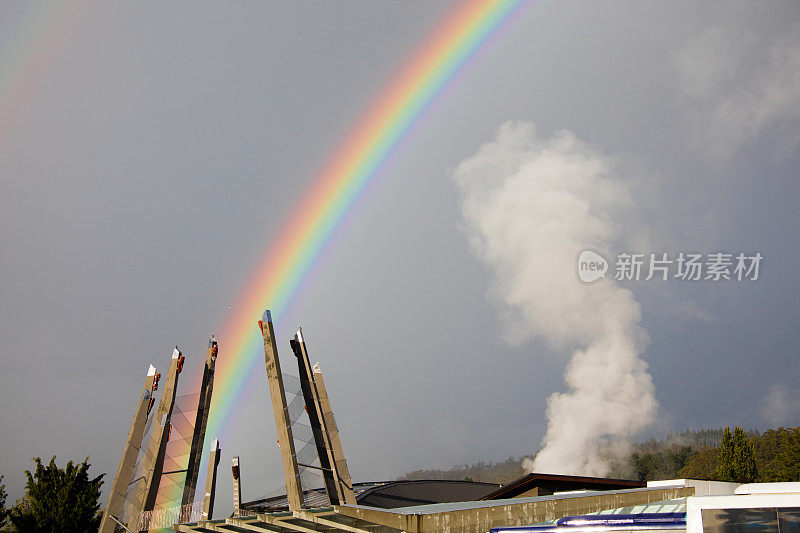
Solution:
(130, 452)
(147, 489)
(294, 492)
(315, 417)
(332, 430)
(200, 422)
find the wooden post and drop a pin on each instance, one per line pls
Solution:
(315, 417)
(130, 452)
(294, 492)
(201, 419)
(211, 480)
(333, 435)
(237, 487)
(153, 462)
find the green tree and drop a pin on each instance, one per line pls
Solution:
(736, 460)
(701, 465)
(744, 461)
(59, 500)
(725, 471)
(3, 511)
(22, 508)
(777, 454)
(702, 454)
(660, 463)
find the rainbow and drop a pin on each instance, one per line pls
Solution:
(42, 33)
(303, 236)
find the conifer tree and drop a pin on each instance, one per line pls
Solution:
(744, 462)
(725, 470)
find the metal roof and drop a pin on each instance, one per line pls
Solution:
(550, 483)
(312, 498)
(423, 492)
(388, 494)
(460, 506)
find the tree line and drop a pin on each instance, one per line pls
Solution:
(718, 455)
(500, 472)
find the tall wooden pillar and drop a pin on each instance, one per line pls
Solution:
(315, 417)
(294, 492)
(237, 487)
(201, 419)
(211, 480)
(153, 462)
(130, 452)
(333, 434)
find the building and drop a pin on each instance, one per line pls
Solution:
(457, 517)
(715, 507)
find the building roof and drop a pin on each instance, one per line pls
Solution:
(407, 493)
(312, 498)
(387, 494)
(483, 504)
(536, 484)
(421, 492)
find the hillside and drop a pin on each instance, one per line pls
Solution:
(500, 472)
(687, 454)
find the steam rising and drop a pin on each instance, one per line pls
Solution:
(530, 206)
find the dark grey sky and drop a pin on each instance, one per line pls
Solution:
(148, 151)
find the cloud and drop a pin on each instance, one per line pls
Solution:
(740, 87)
(710, 60)
(529, 207)
(781, 405)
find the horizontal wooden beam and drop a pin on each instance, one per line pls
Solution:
(319, 518)
(243, 524)
(269, 519)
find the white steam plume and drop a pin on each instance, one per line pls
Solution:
(530, 206)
